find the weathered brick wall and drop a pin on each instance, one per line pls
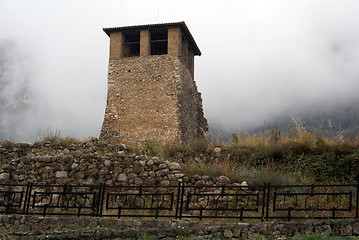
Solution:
(152, 98)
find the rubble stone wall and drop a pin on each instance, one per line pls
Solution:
(94, 162)
(34, 227)
(152, 98)
(90, 162)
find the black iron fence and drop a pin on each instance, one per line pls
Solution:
(263, 202)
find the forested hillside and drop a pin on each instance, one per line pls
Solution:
(341, 121)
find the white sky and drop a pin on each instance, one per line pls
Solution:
(260, 58)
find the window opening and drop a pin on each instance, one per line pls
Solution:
(159, 42)
(132, 44)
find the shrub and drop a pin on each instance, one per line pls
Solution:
(150, 148)
(198, 145)
(192, 168)
(175, 150)
(54, 136)
(259, 176)
(8, 145)
(212, 170)
(50, 136)
(319, 237)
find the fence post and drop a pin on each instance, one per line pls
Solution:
(264, 200)
(267, 205)
(181, 205)
(267, 211)
(102, 196)
(27, 203)
(26, 196)
(178, 199)
(289, 213)
(357, 201)
(99, 201)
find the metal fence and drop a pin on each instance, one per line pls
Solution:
(264, 202)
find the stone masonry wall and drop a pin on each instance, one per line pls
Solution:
(192, 120)
(33, 227)
(142, 100)
(152, 98)
(89, 162)
(94, 162)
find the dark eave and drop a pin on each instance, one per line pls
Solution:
(182, 25)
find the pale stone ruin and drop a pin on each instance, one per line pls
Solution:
(152, 95)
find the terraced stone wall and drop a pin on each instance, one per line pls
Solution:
(90, 162)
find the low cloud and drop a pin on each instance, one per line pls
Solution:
(261, 59)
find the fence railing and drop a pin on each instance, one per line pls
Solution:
(264, 202)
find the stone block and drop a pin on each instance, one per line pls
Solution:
(131, 176)
(162, 166)
(324, 229)
(150, 163)
(74, 166)
(223, 180)
(165, 183)
(346, 230)
(174, 166)
(61, 174)
(163, 172)
(138, 181)
(122, 177)
(236, 233)
(356, 228)
(196, 177)
(228, 233)
(107, 163)
(138, 166)
(4, 176)
(200, 183)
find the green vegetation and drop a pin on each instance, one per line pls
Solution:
(321, 237)
(54, 137)
(301, 153)
(8, 145)
(299, 237)
(300, 156)
(172, 151)
(186, 238)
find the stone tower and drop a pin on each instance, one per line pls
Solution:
(152, 95)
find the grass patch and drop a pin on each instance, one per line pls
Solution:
(54, 137)
(171, 150)
(320, 237)
(7, 144)
(299, 237)
(259, 176)
(185, 238)
(299, 156)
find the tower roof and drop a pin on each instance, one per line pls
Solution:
(181, 25)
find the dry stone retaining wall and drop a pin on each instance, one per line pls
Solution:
(33, 227)
(94, 162)
(90, 162)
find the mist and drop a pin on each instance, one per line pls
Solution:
(260, 59)
(285, 57)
